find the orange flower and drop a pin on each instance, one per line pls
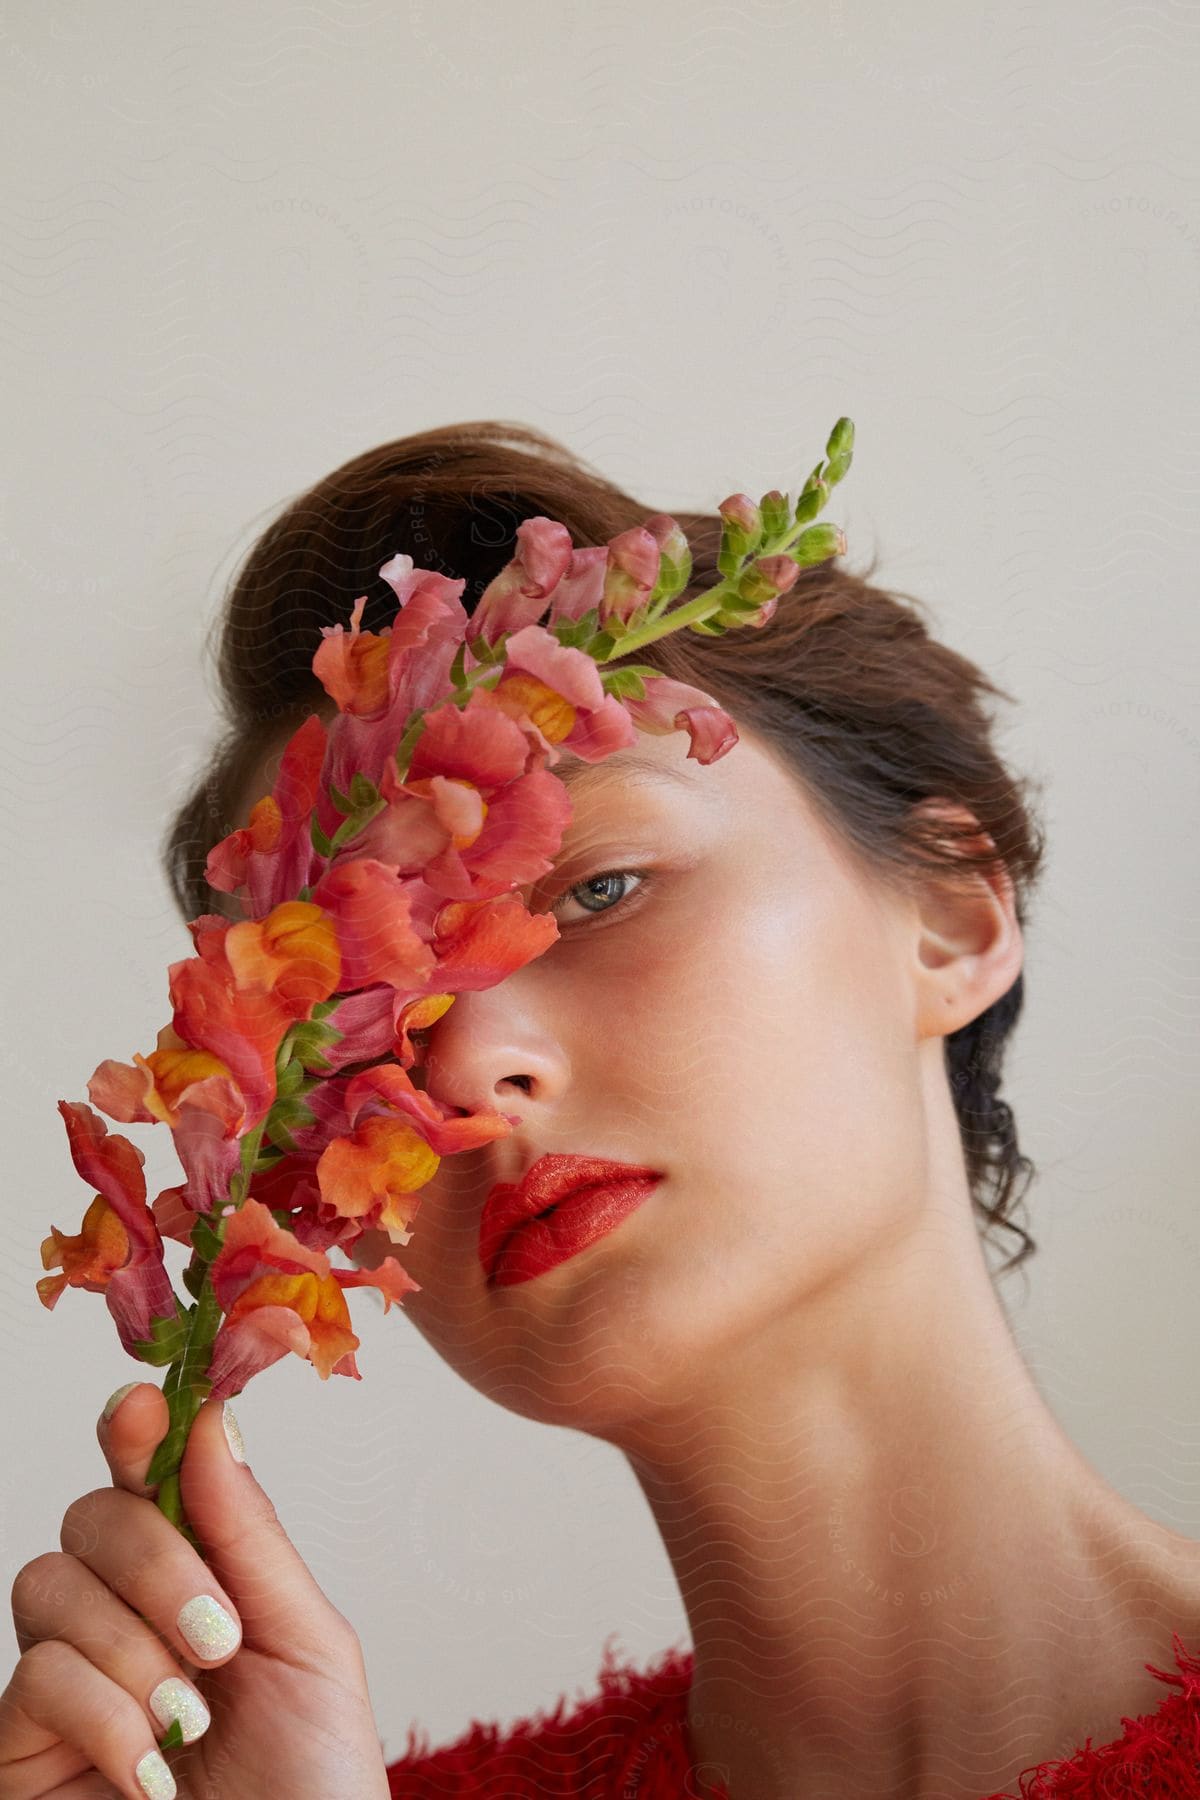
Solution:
(378, 1166)
(154, 1087)
(292, 953)
(279, 1296)
(273, 855)
(119, 1251)
(353, 668)
(87, 1261)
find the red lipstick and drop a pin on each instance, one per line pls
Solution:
(563, 1204)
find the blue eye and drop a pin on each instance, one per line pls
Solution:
(592, 882)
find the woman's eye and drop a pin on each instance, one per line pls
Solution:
(596, 891)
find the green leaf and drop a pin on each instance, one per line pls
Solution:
(193, 1279)
(458, 668)
(266, 1159)
(320, 842)
(574, 633)
(408, 743)
(167, 1338)
(624, 683)
(173, 1737)
(602, 645)
(310, 1041)
(350, 828)
(363, 791)
(286, 1116)
(205, 1241)
(339, 799)
(289, 1080)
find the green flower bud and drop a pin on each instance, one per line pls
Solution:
(841, 443)
(767, 578)
(742, 533)
(818, 544)
(813, 497)
(675, 559)
(776, 514)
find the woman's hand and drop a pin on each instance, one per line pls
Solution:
(99, 1629)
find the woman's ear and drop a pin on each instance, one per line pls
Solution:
(967, 943)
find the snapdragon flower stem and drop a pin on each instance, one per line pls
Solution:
(703, 605)
(186, 1388)
(700, 608)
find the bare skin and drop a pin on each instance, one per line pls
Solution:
(900, 1575)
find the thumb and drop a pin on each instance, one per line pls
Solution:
(283, 1609)
(132, 1426)
(130, 1429)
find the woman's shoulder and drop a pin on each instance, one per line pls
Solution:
(631, 1730)
(1157, 1753)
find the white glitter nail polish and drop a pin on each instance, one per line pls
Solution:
(208, 1628)
(154, 1778)
(114, 1400)
(174, 1699)
(233, 1434)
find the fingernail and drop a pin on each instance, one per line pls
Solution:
(114, 1400)
(233, 1434)
(208, 1628)
(154, 1778)
(174, 1699)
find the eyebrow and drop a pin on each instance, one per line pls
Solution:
(637, 769)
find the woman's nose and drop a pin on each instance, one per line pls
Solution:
(488, 1052)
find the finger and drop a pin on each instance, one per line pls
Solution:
(283, 1609)
(57, 1596)
(140, 1555)
(55, 1693)
(131, 1434)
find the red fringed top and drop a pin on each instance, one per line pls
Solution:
(631, 1739)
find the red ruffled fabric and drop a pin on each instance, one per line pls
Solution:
(1157, 1756)
(631, 1739)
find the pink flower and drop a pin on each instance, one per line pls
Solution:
(580, 590)
(518, 594)
(273, 854)
(632, 571)
(119, 1251)
(380, 679)
(565, 701)
(468, 818)
(675, 706)
(370, 909)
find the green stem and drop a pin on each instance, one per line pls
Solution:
(185, 1389)
(705, 604)
(699, 608)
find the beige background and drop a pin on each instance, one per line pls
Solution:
(242, 243)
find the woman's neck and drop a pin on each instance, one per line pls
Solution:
(900, 1575)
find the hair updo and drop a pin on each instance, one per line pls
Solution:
(870, 711)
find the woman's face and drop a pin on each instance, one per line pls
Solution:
(741, 1019)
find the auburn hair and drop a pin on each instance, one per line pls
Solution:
(871, 712)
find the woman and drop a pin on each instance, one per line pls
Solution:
(784, 986)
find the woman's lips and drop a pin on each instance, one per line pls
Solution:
(577, 1220)
(549, 1186)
